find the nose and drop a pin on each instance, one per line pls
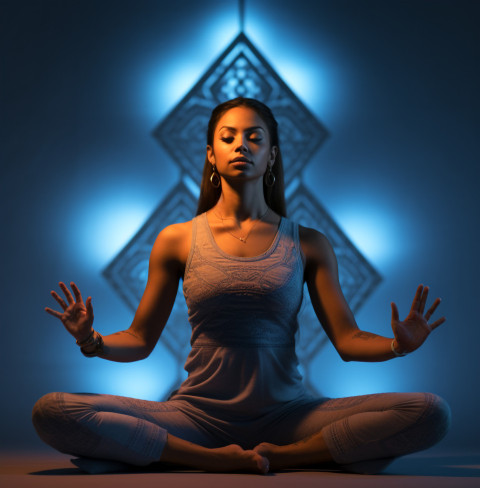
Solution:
(242, 144)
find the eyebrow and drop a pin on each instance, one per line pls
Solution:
(248, 129)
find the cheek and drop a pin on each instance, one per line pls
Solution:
(264, 153)
(220, 152)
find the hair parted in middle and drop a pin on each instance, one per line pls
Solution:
(274, 195)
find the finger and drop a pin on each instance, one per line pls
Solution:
(70, 299)
(76, 291)
(432, 309)
(417, 298)
(56, 314)
(437, 323)
(89, 308)
(423, 300)
(394, 312)
(59, 299)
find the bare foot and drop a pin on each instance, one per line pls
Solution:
(234, 458)
(306, 452)
(277, 455)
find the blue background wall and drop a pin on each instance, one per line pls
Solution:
(83, 85)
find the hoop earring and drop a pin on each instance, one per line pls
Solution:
(215, 178)
(269, 177)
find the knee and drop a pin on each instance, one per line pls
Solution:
(46, 409)
(442, 414)
(436, 419)
(46, 414)
(60, 420)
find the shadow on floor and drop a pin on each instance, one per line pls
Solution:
(58, 472)
(451, 466)
(444, 466)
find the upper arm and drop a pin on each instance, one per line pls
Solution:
(165, 269)
(321, 276)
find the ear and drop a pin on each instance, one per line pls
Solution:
(273, 155)
(210, 155)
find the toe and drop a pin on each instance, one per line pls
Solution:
(263, 464)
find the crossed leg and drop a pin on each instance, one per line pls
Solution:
(360, 434)
(135, 432)
(349, 431)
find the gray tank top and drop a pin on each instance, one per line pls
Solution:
(243, 314)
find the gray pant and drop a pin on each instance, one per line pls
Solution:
(356, 429)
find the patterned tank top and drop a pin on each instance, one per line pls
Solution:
(243, 314)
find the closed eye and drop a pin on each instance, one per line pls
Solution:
(229, 140)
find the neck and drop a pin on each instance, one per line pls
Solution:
(242, 203)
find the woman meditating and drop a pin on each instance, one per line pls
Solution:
(243, 406)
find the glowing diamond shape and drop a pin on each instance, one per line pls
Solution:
(358, 278)
(240, 71)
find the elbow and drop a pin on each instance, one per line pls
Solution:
(146, 351)
(343, 352)
(345, 357)
(136, 354)
(148, 345)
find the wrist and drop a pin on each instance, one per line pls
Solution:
(396, 349)
(85, 339)
(92, 346)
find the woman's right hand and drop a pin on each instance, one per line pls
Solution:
(77, 317)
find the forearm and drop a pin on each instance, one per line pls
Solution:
(367, 347)
(124, 347)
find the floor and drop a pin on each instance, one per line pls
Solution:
(51, 470)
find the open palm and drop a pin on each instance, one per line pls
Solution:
(77, 316)
(411, 333)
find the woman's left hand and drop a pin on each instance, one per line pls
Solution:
(411, 333)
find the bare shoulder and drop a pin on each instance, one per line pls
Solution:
(175, 233)
(316, 247)
(173, 243)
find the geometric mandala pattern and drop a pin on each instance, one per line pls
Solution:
(240, 71)
(127, 273)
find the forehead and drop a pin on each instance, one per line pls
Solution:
(241, 118)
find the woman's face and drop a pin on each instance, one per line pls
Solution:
(241, 145)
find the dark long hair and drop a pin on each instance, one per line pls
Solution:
(274, 195)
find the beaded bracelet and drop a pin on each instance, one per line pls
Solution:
(87, 341)
(94, 340)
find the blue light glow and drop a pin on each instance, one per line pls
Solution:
(162, 83)
(373, 229)
(355, 378)
(136, 380)
(361, 381)
(106, 221)
(307, 75)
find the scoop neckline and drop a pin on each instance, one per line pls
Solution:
(265, 254)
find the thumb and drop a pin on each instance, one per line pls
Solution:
(395, 317)
(89, 307)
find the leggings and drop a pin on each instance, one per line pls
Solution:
(362, 428)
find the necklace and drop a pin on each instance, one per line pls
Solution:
(243, 239)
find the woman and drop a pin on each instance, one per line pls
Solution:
(243, 405)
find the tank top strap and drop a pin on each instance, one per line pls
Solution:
(192, 245)
(201, 241)
(295, 234)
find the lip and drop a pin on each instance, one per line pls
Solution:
(241, 159)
